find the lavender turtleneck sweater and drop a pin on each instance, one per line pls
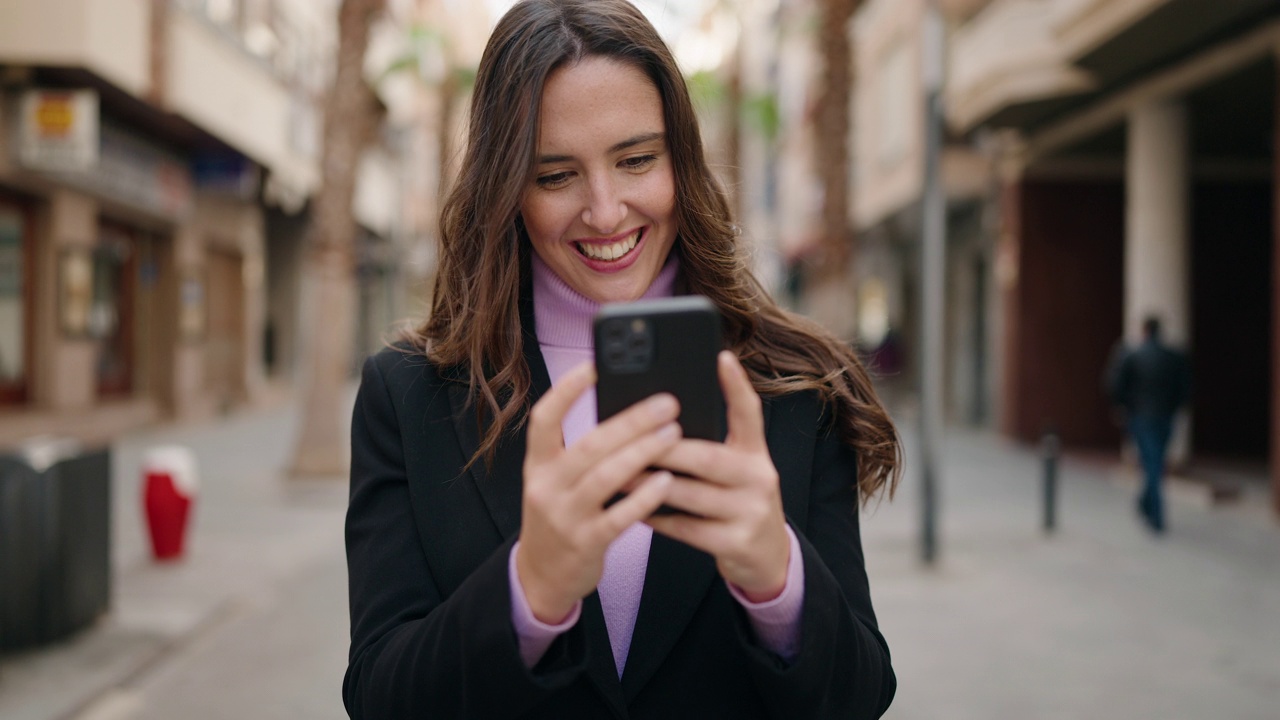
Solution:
(563, 319)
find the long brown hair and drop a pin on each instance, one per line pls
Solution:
(475, 322)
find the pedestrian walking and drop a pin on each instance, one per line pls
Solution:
(1149, 384)
(489, 577)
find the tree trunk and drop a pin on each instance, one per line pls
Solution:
(351, 115)
(833, 161)
(830, 299)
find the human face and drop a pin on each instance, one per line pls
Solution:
(600, 210)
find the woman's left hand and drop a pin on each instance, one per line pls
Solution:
(732, 495)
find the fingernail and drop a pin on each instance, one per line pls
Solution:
(662, 406)
(670, 431)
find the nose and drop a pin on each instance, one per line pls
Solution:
(605, 209)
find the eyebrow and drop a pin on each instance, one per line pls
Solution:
(617, 147)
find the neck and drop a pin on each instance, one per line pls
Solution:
(562, 316)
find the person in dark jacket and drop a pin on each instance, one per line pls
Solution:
(489, 576)
(1150, 383)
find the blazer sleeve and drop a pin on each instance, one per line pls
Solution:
(842, 669)
(413, 652)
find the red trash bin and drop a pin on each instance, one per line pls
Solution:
(169, 491)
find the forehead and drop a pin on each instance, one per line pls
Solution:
(597, 100)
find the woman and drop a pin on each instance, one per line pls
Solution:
(487, 576)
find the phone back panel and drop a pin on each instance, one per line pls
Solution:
(662, 345)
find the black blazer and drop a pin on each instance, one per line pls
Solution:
(427, 553)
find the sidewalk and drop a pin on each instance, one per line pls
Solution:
(1101, 620)
(251, 624)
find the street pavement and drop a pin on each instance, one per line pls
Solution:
(1098, 620)
(1101, 619)
(250, 624)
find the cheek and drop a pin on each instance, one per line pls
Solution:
(659, 198)
(541, 220)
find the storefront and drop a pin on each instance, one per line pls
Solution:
(130, 286)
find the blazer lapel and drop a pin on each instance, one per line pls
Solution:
(600, 666)
(501, 485)
(674, 585)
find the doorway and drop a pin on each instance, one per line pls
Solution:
(224, 351)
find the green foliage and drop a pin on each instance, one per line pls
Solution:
(760, 112)
(408, 62)
(706, 90)
(424, 39)
(464, 79)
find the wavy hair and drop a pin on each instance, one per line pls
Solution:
(475, 325)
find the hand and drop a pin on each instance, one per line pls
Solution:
(566, 528)
(732, 495)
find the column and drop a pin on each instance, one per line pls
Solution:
(64, 376)
(1157, 234)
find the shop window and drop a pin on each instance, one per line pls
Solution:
(14, 304)
(111, 313)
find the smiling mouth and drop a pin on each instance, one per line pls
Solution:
(610, 252)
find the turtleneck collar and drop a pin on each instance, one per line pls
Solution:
(562, 316)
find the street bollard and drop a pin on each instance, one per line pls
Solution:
(169, 491)
(1050, 447)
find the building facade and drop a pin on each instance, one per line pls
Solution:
(889, 161)
(134, 147)
(157, 161)
(1139, 177)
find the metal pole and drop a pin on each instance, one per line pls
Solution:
(932, 261)
(1050, 446)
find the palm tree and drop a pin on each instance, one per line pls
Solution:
(351, 116)
(832, 128)
(828, 297)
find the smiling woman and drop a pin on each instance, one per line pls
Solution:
(601, 211)
(489, 575)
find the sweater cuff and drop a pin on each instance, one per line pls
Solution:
(532, 635)
(776, 622)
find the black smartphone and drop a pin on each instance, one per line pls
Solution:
(661, 345)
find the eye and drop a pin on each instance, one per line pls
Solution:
(638, 162)
(554, 180)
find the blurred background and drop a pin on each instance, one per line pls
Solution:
(212, 210)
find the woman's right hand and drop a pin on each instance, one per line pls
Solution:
(566, 528)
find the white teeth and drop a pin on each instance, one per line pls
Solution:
(610, 252)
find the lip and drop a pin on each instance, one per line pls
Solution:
(613, 266)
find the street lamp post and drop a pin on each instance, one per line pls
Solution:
(932, 261)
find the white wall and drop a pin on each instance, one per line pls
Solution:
(1008, 53)
(888, 109)
(224, 90)
(108, 37)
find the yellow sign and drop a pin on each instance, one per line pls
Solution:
(55, 115)
(59, 130)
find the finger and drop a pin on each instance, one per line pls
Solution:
(701, 498)
(639, 504)
(706, 460)
(742, 403)
(619, 431)
(545, 439)
(699, 533)
(608, 477)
